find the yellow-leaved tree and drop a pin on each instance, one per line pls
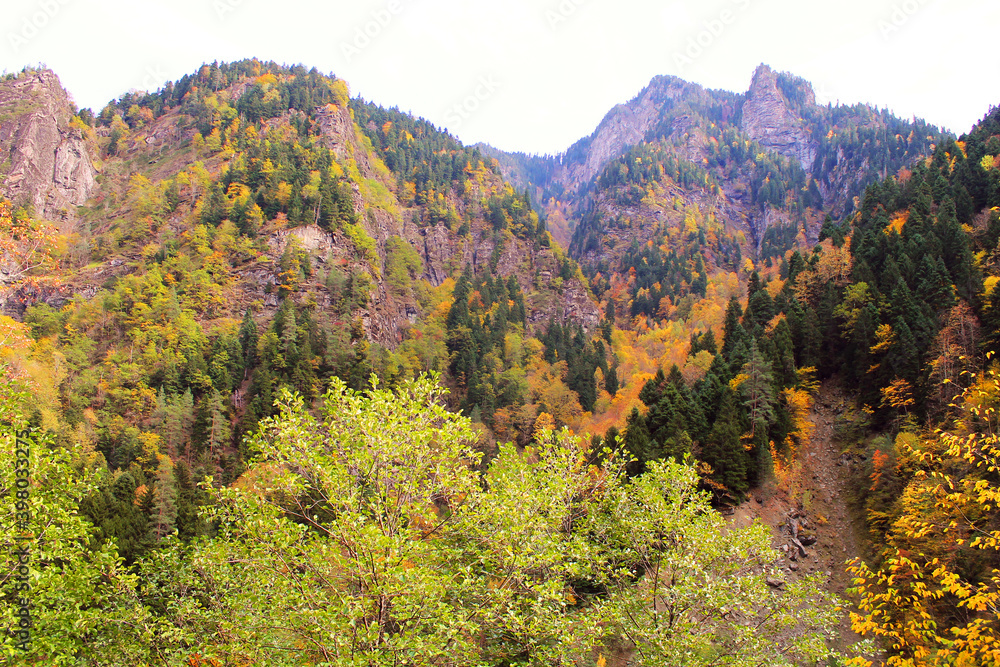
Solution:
(27, 246)
(935, 599)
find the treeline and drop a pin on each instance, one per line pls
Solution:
(275, 90)
(415, 150)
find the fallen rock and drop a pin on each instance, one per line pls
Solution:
(801, 548)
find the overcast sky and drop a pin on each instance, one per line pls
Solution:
(530, 75)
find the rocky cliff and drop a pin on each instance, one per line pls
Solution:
(768, 119)
(45, 161)
(623, 126)
(771, 153)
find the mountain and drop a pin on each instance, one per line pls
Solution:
(189, 277)
(249, 227)
(363, 239)
(839, 149)
(47, 164)
(52, 170)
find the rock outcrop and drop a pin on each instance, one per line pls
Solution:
(769, 121)
(624, 126)
(46, 165)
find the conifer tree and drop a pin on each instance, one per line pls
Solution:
(248, 339)
(611, 380)
(164, 515)
(724, 451)
(733, 332)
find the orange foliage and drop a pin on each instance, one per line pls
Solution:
(834, 266)
(899, 394)
(26, 247)
(799, 404)
(897, 222)
(880, 462)
(655, 343)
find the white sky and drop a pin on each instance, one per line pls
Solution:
(529, 75)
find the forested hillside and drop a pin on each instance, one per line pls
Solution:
(293, 378)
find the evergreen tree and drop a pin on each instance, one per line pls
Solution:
(164, 515)
(611, 380)
(724, 451)
(637, 442)
(733, 331)
(248, 339)
(757, 393)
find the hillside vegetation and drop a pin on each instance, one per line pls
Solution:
(292, 378)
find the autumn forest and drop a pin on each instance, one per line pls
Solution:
(291, 378)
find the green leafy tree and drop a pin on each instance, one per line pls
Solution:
(349, 503)
(366, 536)
(80, 597)
(709, 595)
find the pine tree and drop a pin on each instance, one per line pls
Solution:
(783, 359)
(757, 390)
(724, 451)
(164, 514)
(637, 441)
(611, 380)
(733, 331)
(248, 339)
(708, 342)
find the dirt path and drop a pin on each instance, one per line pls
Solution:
(813, 494)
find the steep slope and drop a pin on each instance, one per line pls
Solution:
(246, 235)
(767, 119)
(50, 169)
(806, 507)
(625, 125)
(46, 164)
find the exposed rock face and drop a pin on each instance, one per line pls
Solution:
(623, 126)
(46, 163)
(338, 129)
(443, 252)
(768, 120)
